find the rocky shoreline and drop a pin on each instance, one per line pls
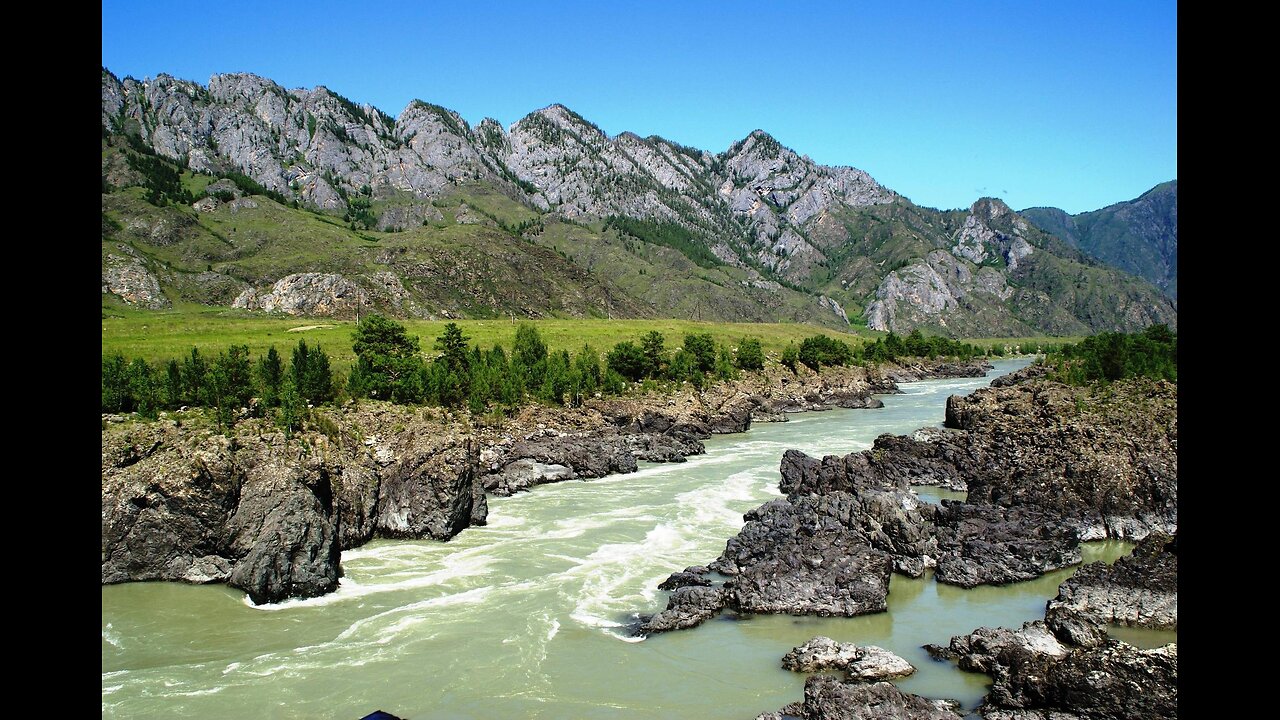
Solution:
(1046, 466)
(271, 515)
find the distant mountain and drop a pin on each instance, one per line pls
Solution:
(1138, 236)
(302, 201)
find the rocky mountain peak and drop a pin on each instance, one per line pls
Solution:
(772, 213)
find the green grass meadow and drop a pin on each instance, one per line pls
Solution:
(158, 335)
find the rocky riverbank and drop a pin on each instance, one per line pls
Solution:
(1066, 667)
(1046, 465)
(1139, 590)
(270, 515)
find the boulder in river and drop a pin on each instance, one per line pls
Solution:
(1037, 674)
(790, 559)
(866, 663)
(827, 698)
(689, 606)
(1140, 589)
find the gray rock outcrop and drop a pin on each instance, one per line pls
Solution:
(827, 698)
(253, 510)
(1140, 589)
(126, 277)
(1037, 674)
(863, 663)
(309, 294)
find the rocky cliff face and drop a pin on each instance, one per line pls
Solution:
(269, 515)
(1139, 236)
(770, 218)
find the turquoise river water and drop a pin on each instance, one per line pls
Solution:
(525, 618)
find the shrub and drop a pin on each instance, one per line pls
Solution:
(750, 355)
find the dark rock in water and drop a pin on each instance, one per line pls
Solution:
(589, 456)
(823, 399)
(986, 545)
(938, 370)
(525, 473)
(283, 533)
(427, 492)
(663, 448)
(789, 560)
(734, 416)
(827, 698)
(1033, 371)
(867, 663)
(270, 515)
(1074, 628)
(688, 607)
(802, 474)
(1140, 589)
(684, 578)
(894, 461)
(981, 650)
(547, 459)
(928, 457)
(1037, 676)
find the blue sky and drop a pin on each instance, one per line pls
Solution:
(1072, 104)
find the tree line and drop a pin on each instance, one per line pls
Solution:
(819, 350)
(390, 365)
(1109, 356)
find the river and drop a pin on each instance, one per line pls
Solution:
(525, 618)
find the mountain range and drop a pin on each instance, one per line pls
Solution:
(243, 193)
(1138, 236)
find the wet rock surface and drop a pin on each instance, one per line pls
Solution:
(1140, 589)
(270, 515)
(867, 663)
(689, 606)
(1039, 674)
(827, 698)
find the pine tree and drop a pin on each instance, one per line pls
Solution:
(270, 377)
(388, 365)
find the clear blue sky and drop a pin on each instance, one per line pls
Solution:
(1073, 104)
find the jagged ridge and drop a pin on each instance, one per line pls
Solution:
(798, 240)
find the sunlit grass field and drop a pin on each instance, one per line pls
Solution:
(160, 335)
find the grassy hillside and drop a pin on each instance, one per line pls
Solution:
(474, 252)
(1139, 236)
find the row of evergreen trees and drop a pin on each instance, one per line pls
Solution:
(819, 350)
(1111, 356)
(390, 366)
(226, 382)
